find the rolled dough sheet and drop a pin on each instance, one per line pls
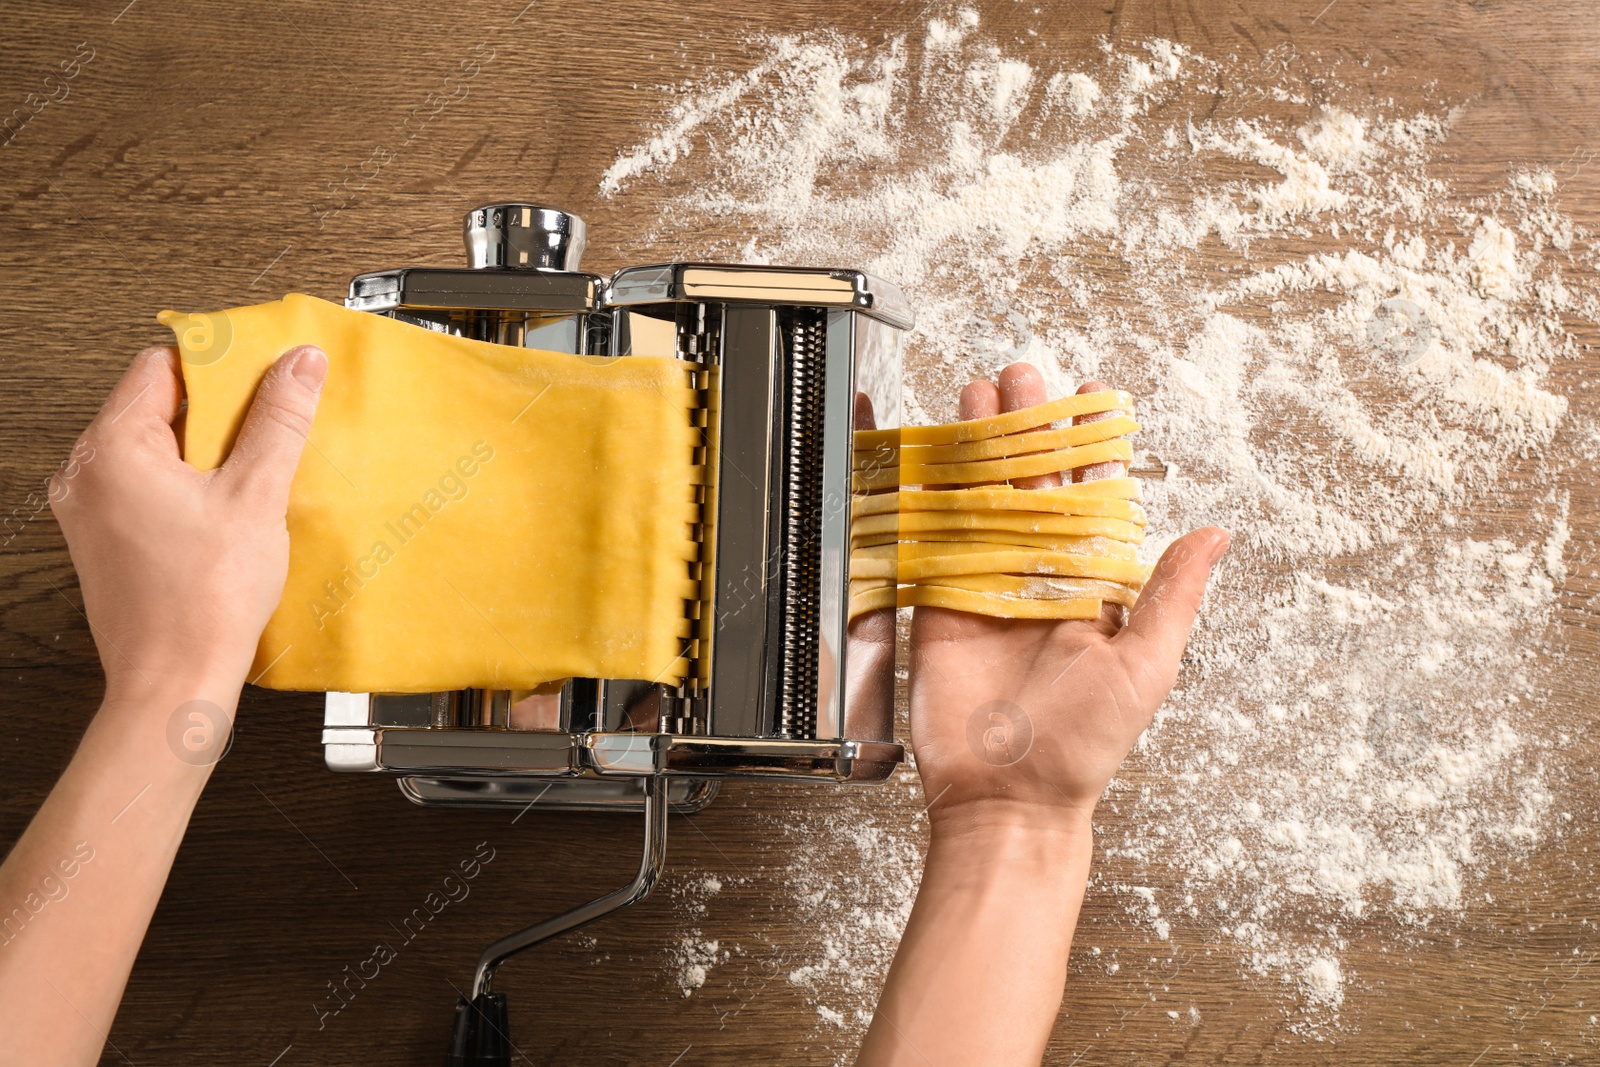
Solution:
(465, 515)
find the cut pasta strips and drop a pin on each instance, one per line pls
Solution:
(980, 545)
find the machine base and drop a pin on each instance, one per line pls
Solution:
(685, 796)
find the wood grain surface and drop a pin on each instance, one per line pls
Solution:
(203, 158)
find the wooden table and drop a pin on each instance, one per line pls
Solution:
(190, 165)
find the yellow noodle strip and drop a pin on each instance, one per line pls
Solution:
(858, 585)
(999, 470)
(915, 550)
(915, 522)
(878, 456)
(1097, 546)
(911, 551)
(1105, 496)
(865, 481)
(915, 564)
(994, 604)
(1017, 444)
(994, 425)
(1040, 588)
(873, 600)
(865, 566)
(1018, 499)
(875, 504)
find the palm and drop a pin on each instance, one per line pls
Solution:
(1041, 713)
(1021, 710)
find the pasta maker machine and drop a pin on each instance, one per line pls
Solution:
(782, 683)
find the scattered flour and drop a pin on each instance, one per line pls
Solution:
(1077, 90)
(692, 959)
(1341, 358)
(1322, 982)
(858, 928)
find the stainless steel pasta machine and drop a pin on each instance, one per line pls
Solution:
(782, 684)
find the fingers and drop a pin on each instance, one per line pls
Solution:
(878, 461)
(147, 398)
(274, 433)
(979, 399)
(1110, 614)
(864, 418)
(1095, 471)
(1158, 627)
(1022, 386)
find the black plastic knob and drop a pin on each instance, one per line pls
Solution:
(481, 1036)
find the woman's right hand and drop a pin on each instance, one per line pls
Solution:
(1025, 720)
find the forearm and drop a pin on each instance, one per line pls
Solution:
(79, 888)
(980, 971)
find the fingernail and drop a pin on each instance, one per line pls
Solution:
(310, 367)
(1220, 546)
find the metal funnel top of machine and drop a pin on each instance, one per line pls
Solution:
(525, 236)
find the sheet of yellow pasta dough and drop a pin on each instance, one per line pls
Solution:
(465, 514)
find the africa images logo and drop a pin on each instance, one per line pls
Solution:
(999, 733)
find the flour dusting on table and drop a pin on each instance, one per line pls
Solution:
(1355, 738)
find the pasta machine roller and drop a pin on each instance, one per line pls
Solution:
(781, 684)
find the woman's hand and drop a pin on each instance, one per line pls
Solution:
(1027, 720)
(1018, 725)
(180, 570)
